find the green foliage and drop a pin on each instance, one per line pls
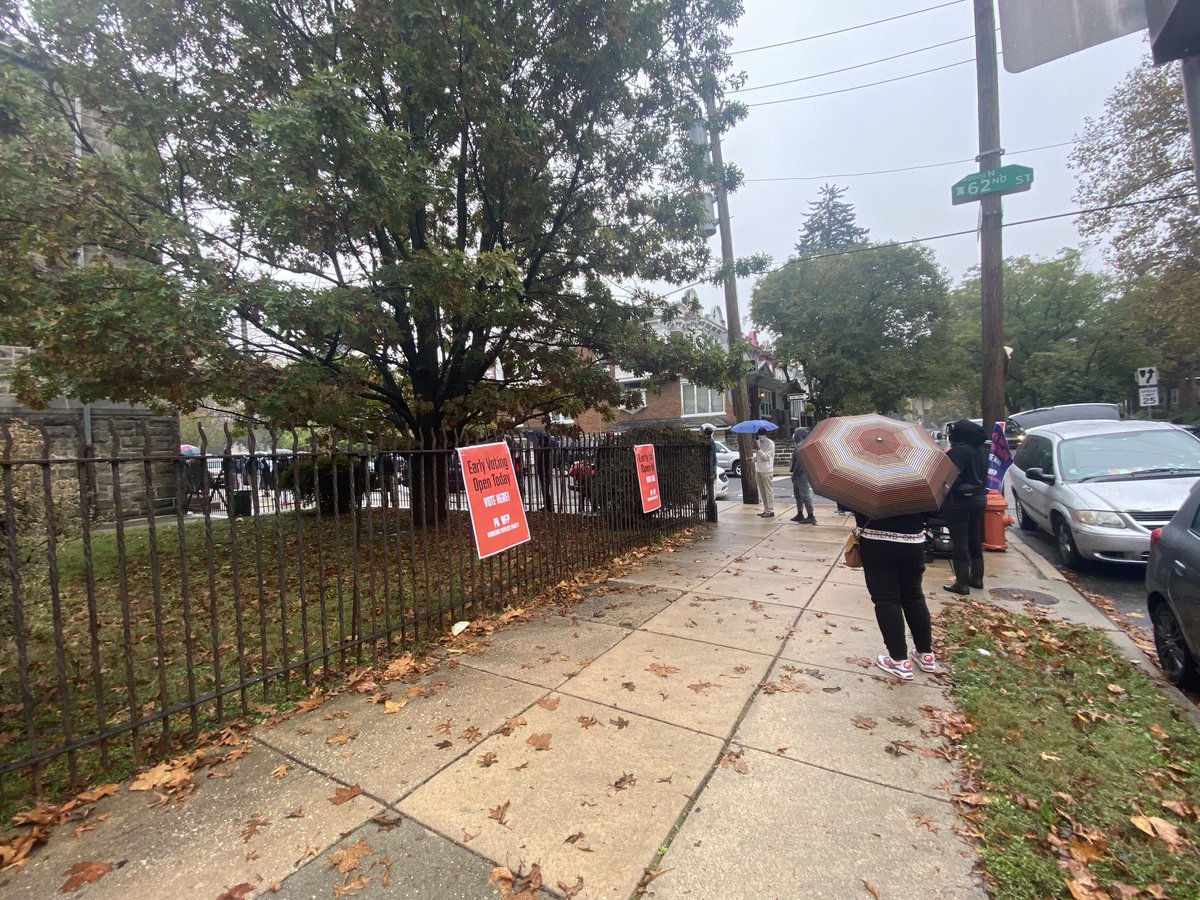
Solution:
(338, 482)
(1069, 336)
(415, 209)
(831, 224)
(868, 328)
(681, 458)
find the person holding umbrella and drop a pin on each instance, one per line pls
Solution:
(764, 471)
(891, 474)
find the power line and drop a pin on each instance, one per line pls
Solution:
(859, 87)
(763, 87)
(813, 37)
(952, 162)
(1182, 195)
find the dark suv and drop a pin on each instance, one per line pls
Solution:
(1173, 593)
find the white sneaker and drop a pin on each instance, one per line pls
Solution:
(902, 670)
(926, 662)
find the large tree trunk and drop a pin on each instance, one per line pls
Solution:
(429, 481)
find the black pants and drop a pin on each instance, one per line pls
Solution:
(893, 572)
(964, 520)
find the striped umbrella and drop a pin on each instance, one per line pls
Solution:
(877, 466)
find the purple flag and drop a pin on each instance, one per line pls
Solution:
(999, 459)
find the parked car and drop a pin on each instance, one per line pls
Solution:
(1019, 423)
(1101, 487)
(1173, 593)
(728, 459)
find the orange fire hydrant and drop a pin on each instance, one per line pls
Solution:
(995, 520)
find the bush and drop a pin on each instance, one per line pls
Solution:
(681, 457)
(331, 487)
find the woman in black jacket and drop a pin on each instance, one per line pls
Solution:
(965, 505)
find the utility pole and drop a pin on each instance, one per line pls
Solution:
(733, 315)
(991, 246)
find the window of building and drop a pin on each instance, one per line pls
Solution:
(698, 400)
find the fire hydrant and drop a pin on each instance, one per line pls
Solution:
(995, 520)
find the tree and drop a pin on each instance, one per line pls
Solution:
(414, 207)
(1137, 151)
(830, 225)
(868, 328)
(1065, 327)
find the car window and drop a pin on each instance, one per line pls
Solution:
(1035, 452)
(1024, 455)
(721, 448)
(1196, 521)
(1127, 453)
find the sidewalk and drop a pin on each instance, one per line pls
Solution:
(718, 706)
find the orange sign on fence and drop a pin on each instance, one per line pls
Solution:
(647, 470)
(494, 498)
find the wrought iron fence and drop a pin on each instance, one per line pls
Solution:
(154, 594)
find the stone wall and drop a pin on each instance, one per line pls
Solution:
(122, 439)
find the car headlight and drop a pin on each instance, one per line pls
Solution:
(1100, 518)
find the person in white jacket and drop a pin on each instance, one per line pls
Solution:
(764, 469)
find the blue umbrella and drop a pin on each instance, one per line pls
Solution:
(750, 426)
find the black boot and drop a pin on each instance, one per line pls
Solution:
(961, 573)
(976, 579)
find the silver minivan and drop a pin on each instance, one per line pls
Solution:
(1101, 487)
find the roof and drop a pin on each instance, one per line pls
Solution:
(1089, 427)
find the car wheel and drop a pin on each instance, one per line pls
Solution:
(1067, 551)
(1023, 521)
(1176, 659)
(736, 469)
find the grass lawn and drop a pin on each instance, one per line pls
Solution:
(1091, 775)
(178, 621)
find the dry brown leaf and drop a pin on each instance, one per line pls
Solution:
(499, 814)
(444, 745)
(620, 722)
(471, 734)
(661, 670)
(570, 891)
(629, 685)
(550, 703)
(702, 686)
(391, 707)
(237, 892)
(973, 799)
(588, 721)
(1163, 831)
(626, 780)
(1183, 809)
(351, 887)
(398, 668)
(1156, 731)
(870, 889)
(866, 723)
(253, 824)
(280, 771)
(97, 793)
(341, 737)
(511, 725)
(347, 860)
(539, 741)
(572, 838)
(487, 759)
(445, 727)
(344, 794)
(84, 873)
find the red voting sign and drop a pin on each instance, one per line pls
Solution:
(494, 498)
(647, 471)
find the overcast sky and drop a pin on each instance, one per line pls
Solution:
(916, 121)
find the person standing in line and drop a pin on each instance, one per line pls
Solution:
(893, 557)
(764, 470)
(966, 504)
(801, 488)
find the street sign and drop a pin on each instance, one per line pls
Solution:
(801, 396)
(1148, 396)
(1004, 180)
(1033, 32)
(1147, 377)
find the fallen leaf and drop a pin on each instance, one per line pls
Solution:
(1155, 730)
(253, 824)
(347, 860)
(237, 892)
(500, 813)
(511, 725)
(97, 793)
(341, 737)
(626, 780)
(350, 888)
(297, 813)
(344, 794)
(539, 741)
(702, 686)
(444, 745)
(661, 670)
(487, 759)
(1163, 831)
(393, 706)
(471, 734)
(620, 722)
(866, 723)
(588, 721)
(733, 759)
(629, 685)
(84, 873)
(572, 838)
(386, 823)
(550, 703)
(570, 891)
(445, 727)
(926, 822)
(871, 889)
(972, 799)
(280, 771)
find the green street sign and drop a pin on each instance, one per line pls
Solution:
(1005, 180)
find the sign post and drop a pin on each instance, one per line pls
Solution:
(1004, 180)
(494, 498)
(647, 471)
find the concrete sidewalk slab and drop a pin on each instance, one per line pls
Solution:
(744, 624)
(392, 753)
(785, 830)
(788, 590)
(847, 722)
(624, 604)
(826, 639)
(207, 841)
(405, 861)
(545, 652)
(706, 691)
(562, 807)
